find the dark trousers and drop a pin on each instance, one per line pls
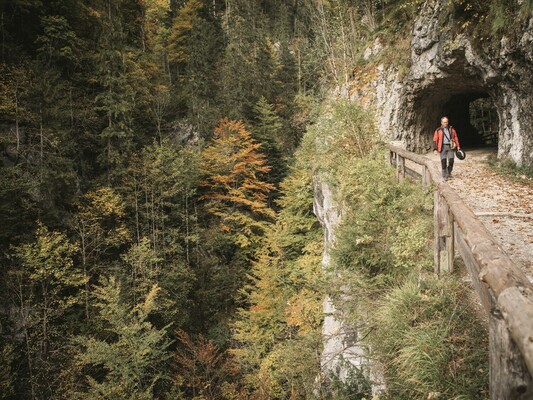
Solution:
(446, 160)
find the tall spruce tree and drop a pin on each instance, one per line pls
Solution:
(267, 130)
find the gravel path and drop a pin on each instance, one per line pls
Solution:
(503, 204)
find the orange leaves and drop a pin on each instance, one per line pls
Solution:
(303, 310)
(235, 192)
(204, 369)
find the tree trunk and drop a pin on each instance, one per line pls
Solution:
(23, 313)
(187, 229)
(41, 146)
(136, 211)
(17, 130)
(85, 273)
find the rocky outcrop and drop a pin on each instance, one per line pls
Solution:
(341, 350)
(448, 70)
(333, 332)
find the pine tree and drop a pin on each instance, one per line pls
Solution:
(195, 47)
(116, 70)
(268, 131)
(278, 335)
(233, 213)
(184, 22)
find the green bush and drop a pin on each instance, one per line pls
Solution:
(386, 231)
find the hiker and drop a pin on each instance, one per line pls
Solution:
(446, 142)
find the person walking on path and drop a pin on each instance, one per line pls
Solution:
(445, 142)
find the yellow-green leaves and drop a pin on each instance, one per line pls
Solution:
(183, 23)
(100, 220)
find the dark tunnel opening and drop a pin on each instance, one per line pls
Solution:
(467, 104)
(475, 118)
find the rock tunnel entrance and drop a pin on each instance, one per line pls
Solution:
(469, 107)
(476, 118)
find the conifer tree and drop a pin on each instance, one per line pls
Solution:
(234, 214)
(268, 131)
(184, 22)
(116, 74)
(194, 48)
(278, 335)
(129, 361)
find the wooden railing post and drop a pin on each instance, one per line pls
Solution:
(509, 376)
(444, 235)
(400, 167)
(426, 177)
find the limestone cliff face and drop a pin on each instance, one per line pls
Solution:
(341, 348)
(448, 70)
(328, 213)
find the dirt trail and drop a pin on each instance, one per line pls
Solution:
(504, 205)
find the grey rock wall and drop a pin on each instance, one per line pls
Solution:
(341, 348)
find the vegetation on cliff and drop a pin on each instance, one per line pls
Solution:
(421, 333)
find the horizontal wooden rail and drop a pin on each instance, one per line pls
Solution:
(504, 290)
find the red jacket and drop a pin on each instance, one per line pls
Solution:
(438, 136)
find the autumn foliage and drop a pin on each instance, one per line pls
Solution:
(203, 370)
(235, 191)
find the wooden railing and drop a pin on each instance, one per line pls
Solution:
(504, 290)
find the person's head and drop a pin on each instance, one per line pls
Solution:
(444, 121)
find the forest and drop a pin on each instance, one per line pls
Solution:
(157, 235)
